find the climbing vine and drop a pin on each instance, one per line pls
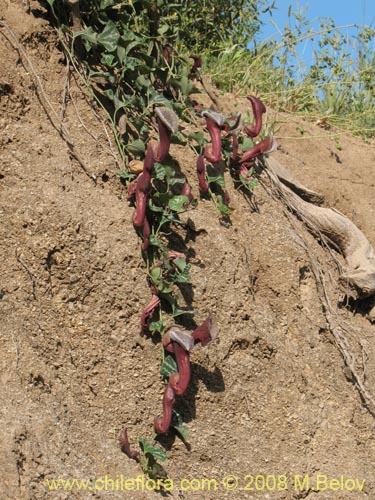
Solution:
(124, 53)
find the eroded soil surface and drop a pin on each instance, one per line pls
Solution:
(271, 396)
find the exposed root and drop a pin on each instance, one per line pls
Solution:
(294, 203)
(286, 178)
(337, 229)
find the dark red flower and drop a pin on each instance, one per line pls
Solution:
(125, 446)
(167, 124)
(162, 424)
(214, 123)
(266, 146)
(258, 110)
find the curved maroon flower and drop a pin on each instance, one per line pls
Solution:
(162, 424)
(181, 337)
(215, 122)
(180, 343)
(206, 331)
(266, 146)
(167, 124)
(176, 335)
(258, 110)
(180, 381)
(148, 312)
(201, 171)
(125, 446)
(141, 192)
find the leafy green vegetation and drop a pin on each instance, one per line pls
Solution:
(336, 88)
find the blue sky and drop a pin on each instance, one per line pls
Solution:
(343, 12)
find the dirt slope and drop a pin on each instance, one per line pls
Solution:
(270, 397)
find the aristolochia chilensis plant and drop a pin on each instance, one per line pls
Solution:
(125, 56)
(235, 142)
(160, 193)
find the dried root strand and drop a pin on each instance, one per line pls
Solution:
(337, 229)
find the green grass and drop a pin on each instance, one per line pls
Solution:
(338, 86)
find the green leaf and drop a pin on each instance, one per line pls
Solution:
(159, 100)
(164, 287)
(132, 45)
(183, 431)
(178, 202)
(165, 172)
(224, 210)
(183, 277)
(104, 4)
(128, 35)
(185, 85)
(108, 59)
(247, 144)
(169, 172)
(136, 147)
(103, 74)
(109, 37)
(126, 176)
(156, 326)
(177, 180)
(88, 35)
(169, 366)
(160, 171)
(249, 184)
(118, 103)
(218, 179)
(148, 449)
(198, 137)
(132, 63)
(179, 139)
(110, 94)
(121, 53)
(156, 275)
(163, 29)
(171, 218)
(154, 207)
(141, 82)
(156, 243)
(180, 263)
(162, 198)
(176, 311)
(178, 425)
